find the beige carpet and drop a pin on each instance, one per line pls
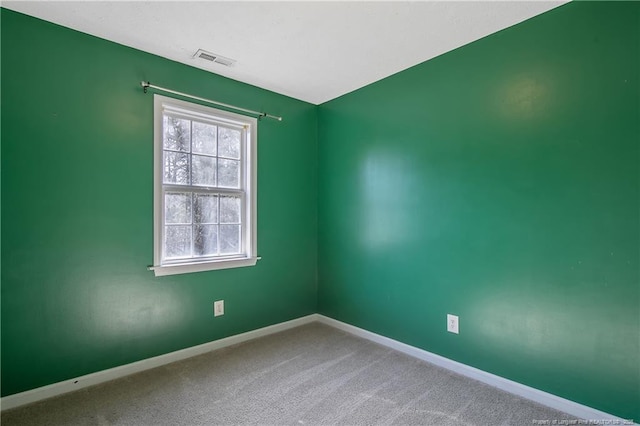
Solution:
(310, 375)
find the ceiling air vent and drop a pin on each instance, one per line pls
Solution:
(213, 57)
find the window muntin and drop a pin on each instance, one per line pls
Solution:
(205, 188)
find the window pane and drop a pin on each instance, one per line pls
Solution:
(229, 143)
(204, 138)
(229, 209)
(205, 241)
(177, 241)
(206, 209)
(203, 170)
(177, 208)
(176, 168)
(229, 239)
(228, 173)
(176, 133)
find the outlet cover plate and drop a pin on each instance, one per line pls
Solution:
(218, 308)
(452, 324)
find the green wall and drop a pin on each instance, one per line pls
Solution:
(498, 182)
(77, 168)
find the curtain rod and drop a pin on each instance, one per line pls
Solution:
(146, 85)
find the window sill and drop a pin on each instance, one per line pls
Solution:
(186, 268)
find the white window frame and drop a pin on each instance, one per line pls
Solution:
(248, 188)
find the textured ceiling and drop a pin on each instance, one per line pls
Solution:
(313, 51)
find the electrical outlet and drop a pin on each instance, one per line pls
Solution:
(218, 308)
(452, 323)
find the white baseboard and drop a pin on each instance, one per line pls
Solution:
(573, 408)
(74, 384)
(561, 404)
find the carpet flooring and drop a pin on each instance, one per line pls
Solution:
(309, 375)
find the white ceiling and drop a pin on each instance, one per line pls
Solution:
(313, 51)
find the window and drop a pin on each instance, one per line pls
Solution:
(205, 188)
